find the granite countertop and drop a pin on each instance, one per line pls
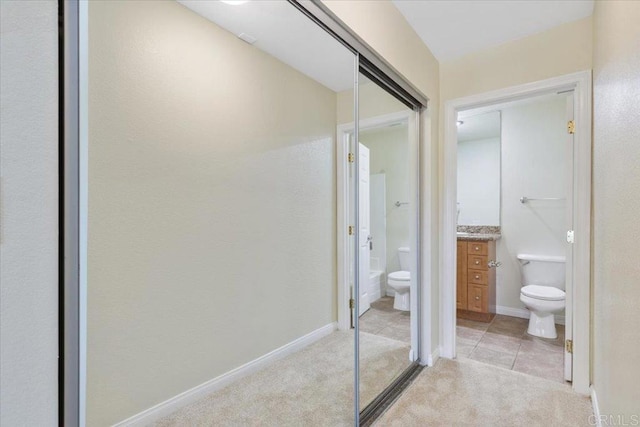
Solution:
(478, 232)
(478, 236)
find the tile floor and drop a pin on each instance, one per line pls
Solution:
(505, 342)
(383, 320)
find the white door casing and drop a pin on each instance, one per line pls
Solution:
(569, 184)
(364, 212)
(580, 293)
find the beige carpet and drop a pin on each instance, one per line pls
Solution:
(313, 387)
(470, 393)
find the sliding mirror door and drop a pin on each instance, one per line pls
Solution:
(387, 213)
(209, 290)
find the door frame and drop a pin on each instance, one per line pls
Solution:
(580, 83)
(342, 186)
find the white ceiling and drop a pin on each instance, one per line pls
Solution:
(457, 27)
(285, 33)
(480, 126)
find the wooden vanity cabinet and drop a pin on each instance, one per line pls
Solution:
(476, 281)
(461, 276)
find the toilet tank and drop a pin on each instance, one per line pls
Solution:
(405, 259)
(542, 270)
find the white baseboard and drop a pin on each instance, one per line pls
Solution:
(522, 313)
(433, 357)
(187, 397)
(596, 408)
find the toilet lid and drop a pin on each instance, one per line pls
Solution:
(547, 293)
(400, 275)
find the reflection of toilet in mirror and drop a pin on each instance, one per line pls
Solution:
(543, 284)
(400, 281)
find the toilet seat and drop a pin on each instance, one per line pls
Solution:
(546, 293)
(400, 276)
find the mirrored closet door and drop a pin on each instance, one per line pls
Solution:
(249, 233)
(210, 293)
(387, 213)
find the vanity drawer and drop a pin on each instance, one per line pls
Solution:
(478, 262)
(478, 248)
(478, 298)
(478, 277)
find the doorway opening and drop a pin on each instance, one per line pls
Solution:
(517, 190)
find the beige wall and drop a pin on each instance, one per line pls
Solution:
(383, 27)
(561, 50)
(29, 213)
(616, 203)
(373, 101)
(211, 210)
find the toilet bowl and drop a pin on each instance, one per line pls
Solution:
(400, 282)
(542, 292)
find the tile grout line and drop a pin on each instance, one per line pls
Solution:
(513, 365)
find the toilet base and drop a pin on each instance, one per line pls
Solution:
(542, 325)
(402, 301)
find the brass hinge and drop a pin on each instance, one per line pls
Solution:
(351, 158)
(569, 346)
(352, 303)
(571, 127)
(351, 230)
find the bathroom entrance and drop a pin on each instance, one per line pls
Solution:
(515, 297)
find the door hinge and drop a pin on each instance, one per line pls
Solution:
(570, 236)
(351, 230)
(571, 127)
(351, 158)
(568, 344)
(352, 303)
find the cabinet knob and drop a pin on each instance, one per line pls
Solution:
(477, 298)
(477, 277)
(477, 248)
(477, 262)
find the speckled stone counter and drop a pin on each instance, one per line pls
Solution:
(478, 232)
(478, 236)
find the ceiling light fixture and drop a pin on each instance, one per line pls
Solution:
(234, 2)
(459, 123)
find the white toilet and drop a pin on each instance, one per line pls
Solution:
(400, 281)
(543, 285)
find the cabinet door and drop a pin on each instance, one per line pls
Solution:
(478, 298)
(461, 276)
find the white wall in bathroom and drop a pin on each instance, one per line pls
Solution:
(390, 155)
(377, 198)
(534, 142)
(479, 181)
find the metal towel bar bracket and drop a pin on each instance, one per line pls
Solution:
(398, 204)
